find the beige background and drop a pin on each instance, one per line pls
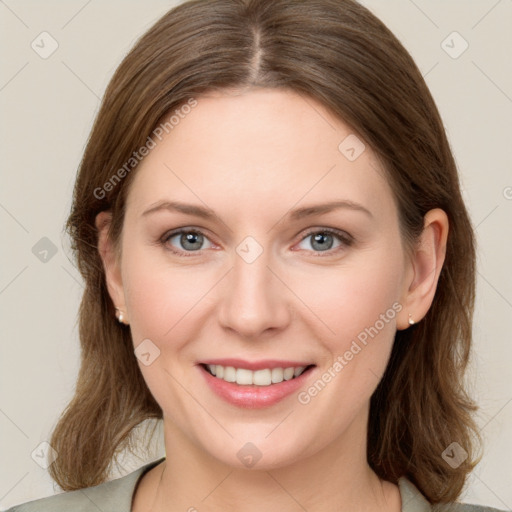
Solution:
(48, 106)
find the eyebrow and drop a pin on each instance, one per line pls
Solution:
(318, 209)
(189, 209)
(294, 215)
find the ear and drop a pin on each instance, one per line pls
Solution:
(425, 267)
(111, 263)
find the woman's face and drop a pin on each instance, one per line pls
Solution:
(293, 259)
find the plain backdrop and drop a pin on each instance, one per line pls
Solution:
(48, 106)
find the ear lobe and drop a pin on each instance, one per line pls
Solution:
(110, 260)
(427, 261)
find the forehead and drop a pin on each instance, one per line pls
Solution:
(264, 146)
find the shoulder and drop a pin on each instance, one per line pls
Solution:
(462, 507)
(414, 501)
(112, 496)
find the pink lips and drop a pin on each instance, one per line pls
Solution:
(254, 397)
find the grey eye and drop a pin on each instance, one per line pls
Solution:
(188, 240)
(320, 241)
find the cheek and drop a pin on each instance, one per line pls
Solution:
(354, 297)
(356, 302)
(157, 296)
(357, 307)
(161, 302)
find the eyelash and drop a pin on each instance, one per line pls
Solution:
(345, 239)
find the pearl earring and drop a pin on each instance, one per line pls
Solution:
(119, 315)
(411, 321)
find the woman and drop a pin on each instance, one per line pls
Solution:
(308, 352)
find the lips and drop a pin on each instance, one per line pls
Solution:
(254, 384)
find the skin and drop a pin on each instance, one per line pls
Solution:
(252, 156)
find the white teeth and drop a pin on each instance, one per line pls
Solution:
(244, 377)
(229, 374)
(288, 373)
(277, 375)
(298, 370)
(262, 377)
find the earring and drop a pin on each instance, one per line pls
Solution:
(119, 315)
(411, 321)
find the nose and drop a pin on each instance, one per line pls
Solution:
(254, 301)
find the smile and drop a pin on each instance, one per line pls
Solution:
(263, 377)
(255, 384)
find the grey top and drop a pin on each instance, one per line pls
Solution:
(116, 496)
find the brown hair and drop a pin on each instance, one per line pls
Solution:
(340, 54)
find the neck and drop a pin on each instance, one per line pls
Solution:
(337, 477)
